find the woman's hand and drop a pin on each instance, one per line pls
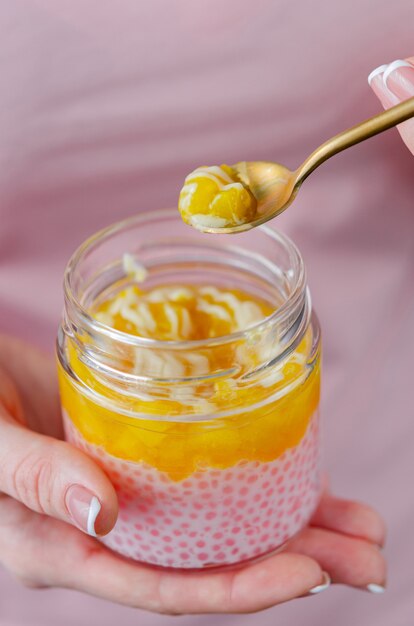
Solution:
(394, 83)
(41, 543)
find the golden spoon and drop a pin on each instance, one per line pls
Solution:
(275, 187)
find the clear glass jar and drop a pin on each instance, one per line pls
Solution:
(212, 445)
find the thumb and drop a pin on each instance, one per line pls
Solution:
(394, 83)
(52, 477)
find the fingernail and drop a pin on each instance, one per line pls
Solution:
(326, 582)
(376, 82)
(83, 507)
(374, 588)
(378, 70)
(398, 78)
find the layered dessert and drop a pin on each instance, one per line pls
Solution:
(218, 466)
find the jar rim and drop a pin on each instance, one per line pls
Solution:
(276, 317)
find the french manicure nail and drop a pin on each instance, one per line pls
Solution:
(374, 588)
(378, 70)
(376, 82)
(326, 582)
(83, 507)
(398, 78)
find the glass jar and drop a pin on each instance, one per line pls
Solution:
(212, 445)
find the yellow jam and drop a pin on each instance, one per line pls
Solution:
(215, 197)
(179, 447)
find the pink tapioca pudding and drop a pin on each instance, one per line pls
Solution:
(198, 399)
(213, 517)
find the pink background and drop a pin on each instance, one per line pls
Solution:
(105, 106)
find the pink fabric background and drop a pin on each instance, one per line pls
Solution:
(105, 106)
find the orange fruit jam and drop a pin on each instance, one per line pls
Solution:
(214, 197)
(255, 422)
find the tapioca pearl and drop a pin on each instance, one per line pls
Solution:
(202, 556)
(229, 542)
(184, 556)
(167, 549)
(266, 523)
(252, 542)
(166, 538)
(200, 544)
(218, 535)
(216, 547)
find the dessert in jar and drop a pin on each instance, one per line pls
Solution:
(189, 371)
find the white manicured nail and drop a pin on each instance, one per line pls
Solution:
(94, 508)
(326, 582)
(374, 588)
(393, 66)
(378, 70)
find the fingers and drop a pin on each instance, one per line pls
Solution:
(253, 588)
(42, 551)
(393, 83)
(350, 518)
(348, 560)
(54, 478)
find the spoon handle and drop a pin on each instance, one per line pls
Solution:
(370, 127)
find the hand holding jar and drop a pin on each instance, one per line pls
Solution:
(235, 480)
